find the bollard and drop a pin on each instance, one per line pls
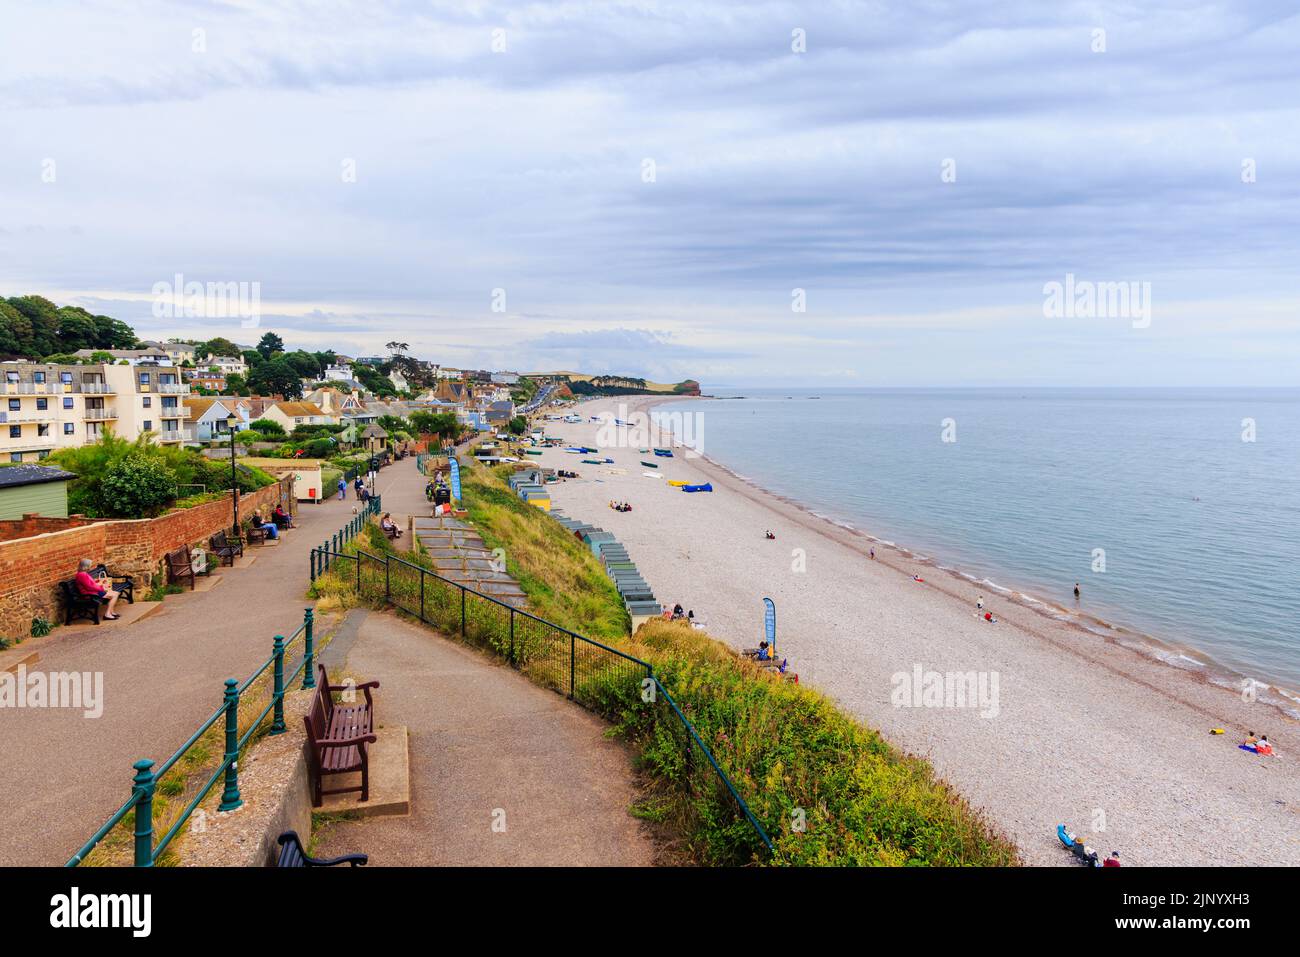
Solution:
(313, 564)
(277, 723)
(309, 653)
(143, 788)
(230, 799)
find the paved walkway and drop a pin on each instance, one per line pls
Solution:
(503, 772)
(62, 775)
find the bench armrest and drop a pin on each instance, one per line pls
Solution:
(347, 742)
(360, 687)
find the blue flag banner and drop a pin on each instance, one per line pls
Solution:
(454, 466)
(769, 622)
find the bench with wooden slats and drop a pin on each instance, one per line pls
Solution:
(338, 736)
(293, 854)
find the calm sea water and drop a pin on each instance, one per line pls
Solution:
(1201, 530)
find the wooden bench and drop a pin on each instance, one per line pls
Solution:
(225, 550)
(338, 735)
(124, 585)
(255, 535)
(180, 566)
(77, 605)
(293, 854)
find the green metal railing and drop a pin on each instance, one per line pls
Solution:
(145, 782)
(320, 557)
(572, 664)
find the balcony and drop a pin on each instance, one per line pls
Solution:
(165, 438)
(97, 388)
(30, 388)
(29, 415)
(100, 415)
(174, 388)
(26, 444)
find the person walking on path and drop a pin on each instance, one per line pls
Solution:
(343, 490)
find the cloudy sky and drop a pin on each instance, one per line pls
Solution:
(645, 187)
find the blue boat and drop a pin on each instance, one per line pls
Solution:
(706, 487)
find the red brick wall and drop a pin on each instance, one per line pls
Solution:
(32, 567)
(36, 524)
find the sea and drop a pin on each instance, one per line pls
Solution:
(1176, 511)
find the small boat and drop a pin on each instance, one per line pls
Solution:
(650, 465)
(677, 482)
(664, 453)
(531, 452)
(592, 462)
(706, 487)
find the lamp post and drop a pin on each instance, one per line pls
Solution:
(232, 421)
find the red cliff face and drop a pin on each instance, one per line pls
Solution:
(688, 387)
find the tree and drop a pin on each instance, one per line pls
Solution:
(276, 376)
(269, 345)
(138, 486)
(236, 384)
(216, 347)
(518, 425)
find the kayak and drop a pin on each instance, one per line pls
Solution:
(677, 482)
(531, 452)
(706, 487)
(650, 465)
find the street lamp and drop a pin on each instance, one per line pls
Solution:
(232, 422)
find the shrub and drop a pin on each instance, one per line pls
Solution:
(268, 427)
(138, 486)
(249, 436)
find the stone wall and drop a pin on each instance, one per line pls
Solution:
(32, 567)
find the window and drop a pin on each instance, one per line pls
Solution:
(65, 377)
(43, 453)
(15, 431)
(144, 378)
(15, 456)
(148, 402)
(38, 377)
(148, 425)
(42, 404)
(169, 402)
(166, 378)
(15, 405)
(11, 376)
(43, 429)
(67, 401)
(69, 428)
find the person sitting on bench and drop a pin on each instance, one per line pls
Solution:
(272, 531)
(764, 653)
(282, 518)
(96, 588)
(389, 526)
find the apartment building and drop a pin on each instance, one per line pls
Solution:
(225, 365)
(44, 407)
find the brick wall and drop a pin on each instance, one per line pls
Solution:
(31, 567)
(30, 525)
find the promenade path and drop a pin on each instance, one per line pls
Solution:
(482, 737)
(503, 772)
(64, 774)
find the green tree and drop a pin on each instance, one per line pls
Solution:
(268, 427)
(216, 347)
(138, 486)
(276, 376)
(269, 345)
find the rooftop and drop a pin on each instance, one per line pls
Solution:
(12, 476)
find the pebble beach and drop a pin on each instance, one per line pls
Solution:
(1069, 726)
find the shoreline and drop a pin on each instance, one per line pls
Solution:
(1087, 725)
(1201, 665)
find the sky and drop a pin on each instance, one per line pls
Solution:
(853, 194)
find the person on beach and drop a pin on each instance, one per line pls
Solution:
(873, 554)
(979, 603)
(1262, 746)
(1113, 860)
(763, 653)
(1251, 741)
(1076, 591)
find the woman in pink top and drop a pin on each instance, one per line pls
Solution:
(99, 587)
